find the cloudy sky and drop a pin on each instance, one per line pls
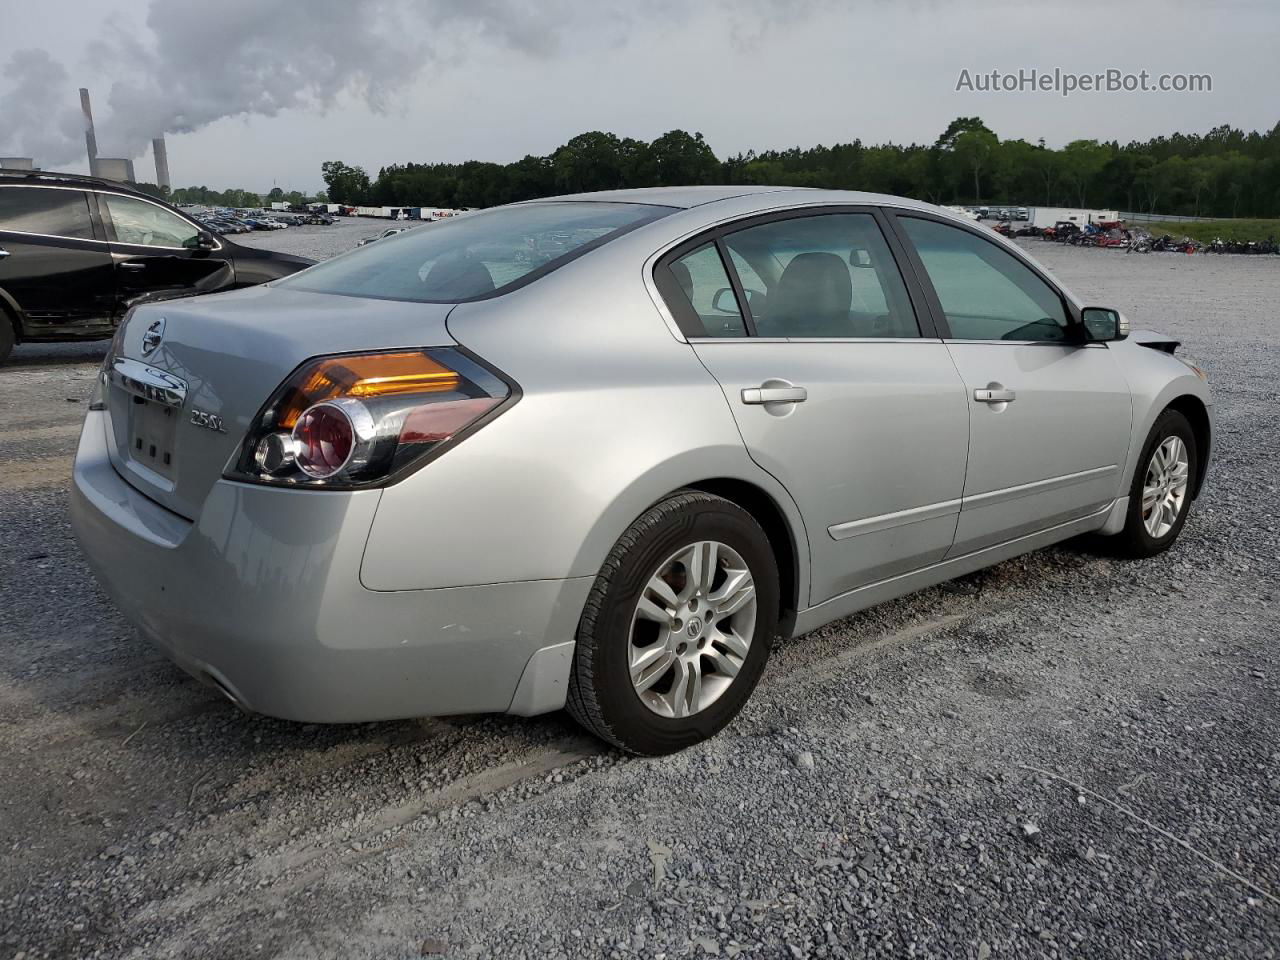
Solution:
(252, 94)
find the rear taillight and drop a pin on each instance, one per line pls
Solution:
(363, 419)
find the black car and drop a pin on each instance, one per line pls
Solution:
(77, 252)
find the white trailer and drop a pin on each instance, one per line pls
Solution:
(1047, 216)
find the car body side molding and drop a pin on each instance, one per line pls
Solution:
(930, 511)
(882, 591)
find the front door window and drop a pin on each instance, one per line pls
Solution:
(147, 224)
(986, 293)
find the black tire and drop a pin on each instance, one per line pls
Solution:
(7, 336)
(1135, 540)
(601, 696)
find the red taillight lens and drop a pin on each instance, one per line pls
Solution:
(436, 422)
(323, 440)
(353, 421)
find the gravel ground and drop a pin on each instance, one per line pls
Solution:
(1063, 756)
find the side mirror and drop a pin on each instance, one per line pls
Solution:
(1103, 324)
(201, 241)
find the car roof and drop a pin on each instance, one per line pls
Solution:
(767, 197)
(37, 178)
(683, 197)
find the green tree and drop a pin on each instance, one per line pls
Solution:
(1203, 174)
(1234, 175)
(1047, 168)
(974, 150)
(680, 158)
(1082, 161)
(1146, 181)
(1013, 172)
(590, 161)
(346, 185)
(1174, 178)
(966, 148)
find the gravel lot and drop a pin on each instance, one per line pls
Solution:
(1045, 759)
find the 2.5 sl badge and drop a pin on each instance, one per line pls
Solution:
(207, 420)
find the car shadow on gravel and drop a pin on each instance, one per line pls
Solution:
(56, 354)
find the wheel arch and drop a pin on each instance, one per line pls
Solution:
(783, 539)
(1197, 414)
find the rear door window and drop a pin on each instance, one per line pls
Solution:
(829, 276)
(44, 210)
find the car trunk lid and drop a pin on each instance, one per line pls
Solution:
(188, 377)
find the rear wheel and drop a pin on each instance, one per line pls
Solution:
(678, 626)
(1160, 493)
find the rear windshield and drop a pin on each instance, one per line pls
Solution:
(475, 255)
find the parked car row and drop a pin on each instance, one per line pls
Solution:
(1003, 214)
(223, 222)
(77, 252)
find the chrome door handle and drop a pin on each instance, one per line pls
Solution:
(4, 253)
(774, 395)
(132, 265)
(994, 395)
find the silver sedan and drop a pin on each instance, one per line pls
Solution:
(599, 451)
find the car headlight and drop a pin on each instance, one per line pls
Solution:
(1194, 369)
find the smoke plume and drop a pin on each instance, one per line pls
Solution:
(190, 67)
(39, 109)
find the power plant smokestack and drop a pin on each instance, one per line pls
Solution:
(162, 162)
(90, 141)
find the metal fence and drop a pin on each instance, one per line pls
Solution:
(1148, 217)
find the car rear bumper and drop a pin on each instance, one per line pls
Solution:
(261, 596)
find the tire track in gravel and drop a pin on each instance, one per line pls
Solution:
(42, 431)
(300, 856)
(42, 472)
(485, 784)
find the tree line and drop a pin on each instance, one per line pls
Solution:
(229, 198)
(1223, 173)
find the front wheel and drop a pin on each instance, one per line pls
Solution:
(1160, 493)
(677, 629)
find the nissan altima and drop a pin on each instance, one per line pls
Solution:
(598, 451)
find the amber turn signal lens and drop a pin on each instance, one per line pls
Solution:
(368, 376)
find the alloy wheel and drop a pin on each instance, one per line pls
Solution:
(692, 629)
(1164, 491)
